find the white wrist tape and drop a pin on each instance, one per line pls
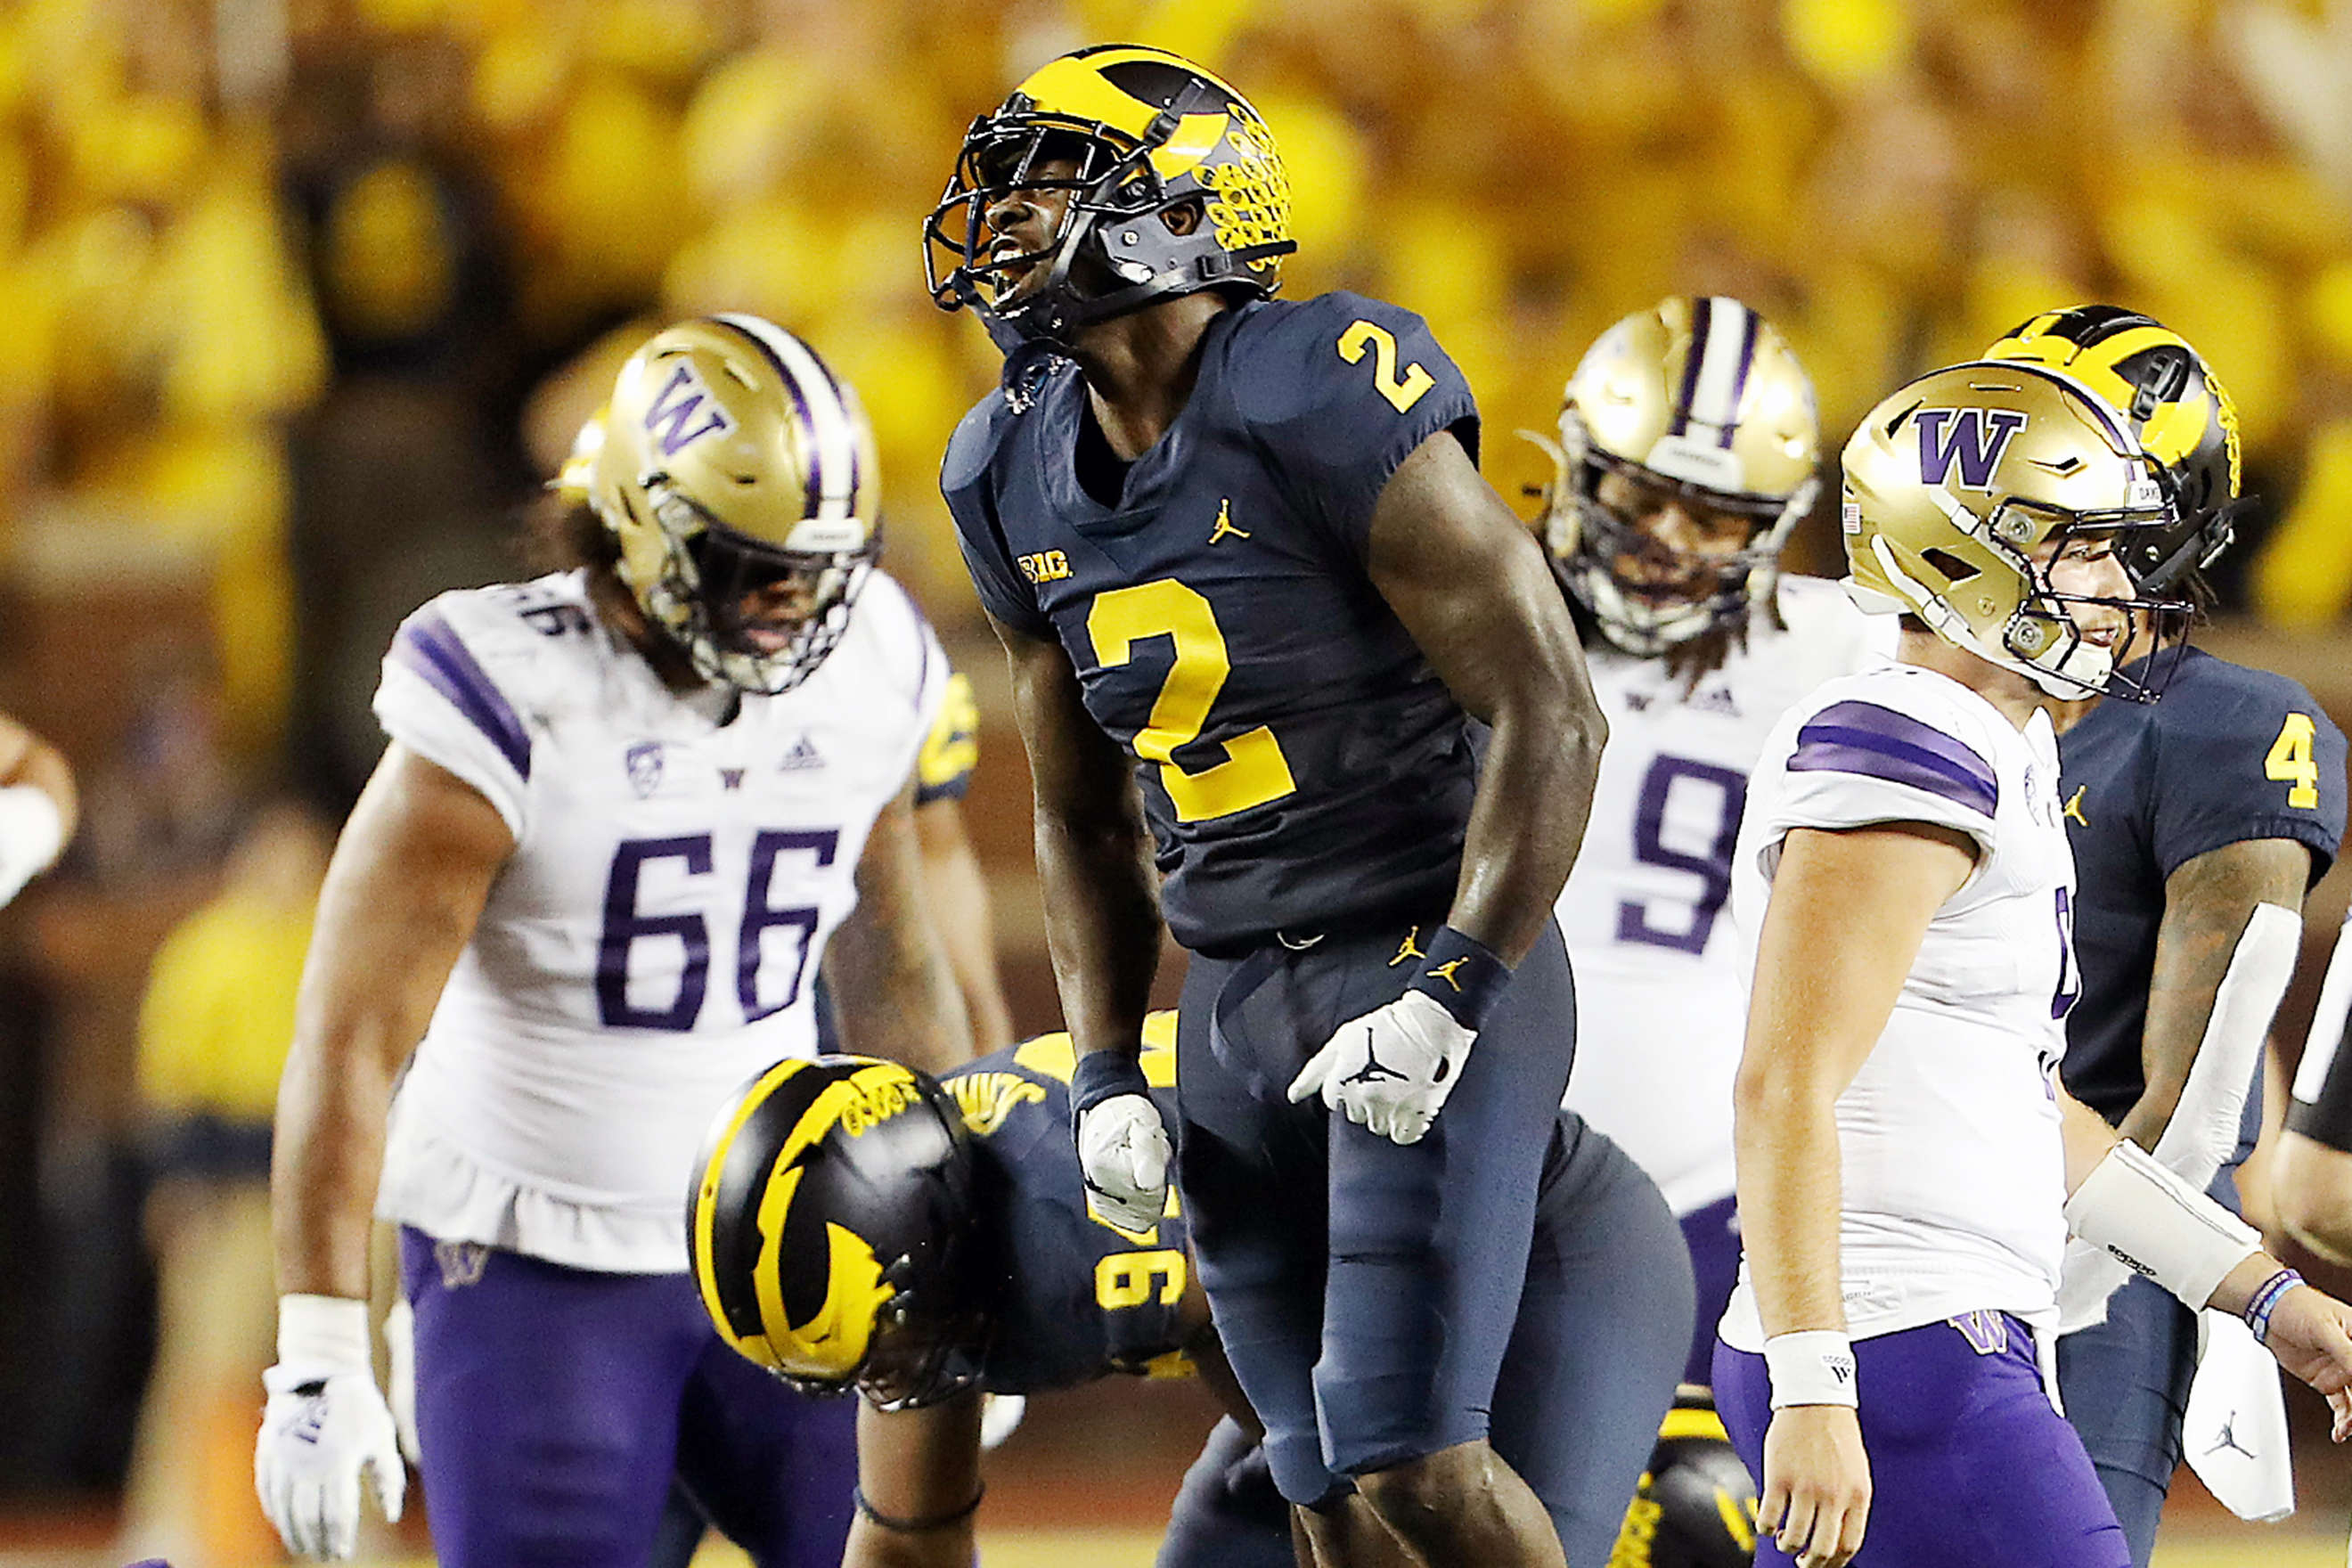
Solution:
(1813, 1366)
(327, 1333)
(2154, 1223)
(32, 831)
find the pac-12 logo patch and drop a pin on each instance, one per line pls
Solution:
(1977, 438)
(644, 764)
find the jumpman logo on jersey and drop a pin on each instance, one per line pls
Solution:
(1446, 972)
(1225, 521)
(1374, 1070)
(2230, 1439)
(2075, 806)
(1407, 948)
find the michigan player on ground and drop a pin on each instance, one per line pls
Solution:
(857, 1224)
(628, 812)
(1909, 1166)
(1241, 564)
(1687, 450)
(2198, 823)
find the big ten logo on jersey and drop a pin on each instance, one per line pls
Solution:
(1045, 566)
(541, 611)
(665, 897)
(986, 1098)
(872, 1098)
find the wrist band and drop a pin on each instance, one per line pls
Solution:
(1101, 1075)
(915, 1526)
(330, 1332)
(2266, 1300)
(1461, 975)
(1814, 1366)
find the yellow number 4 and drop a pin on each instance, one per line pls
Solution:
(1254, 770)
(1402, 391)
(1125, 1278)
(2291, 762)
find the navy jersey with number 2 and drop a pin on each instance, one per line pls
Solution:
(1301, 765)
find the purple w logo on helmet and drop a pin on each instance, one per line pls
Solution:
(1978, 438)
(673, 412)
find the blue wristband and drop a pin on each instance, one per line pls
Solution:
(1099, 1075)
(1460, 975)
(2266, 1300)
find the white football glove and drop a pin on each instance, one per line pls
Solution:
(325, 1430)
(400, 1376)
(1123, 1152)
(999, 1416)
(1391, 1069)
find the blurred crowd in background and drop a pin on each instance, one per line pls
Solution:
(300, 300)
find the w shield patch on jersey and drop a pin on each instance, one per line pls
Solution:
(1978, 438)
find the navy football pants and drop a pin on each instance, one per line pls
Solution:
(2126, 1385)
(1367, 1294)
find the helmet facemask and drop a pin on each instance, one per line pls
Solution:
(1590, 540)
(1113, 252)
(709, 570)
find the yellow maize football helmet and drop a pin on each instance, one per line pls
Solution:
(1955, 485)
(1699, 402)
(1149, 130)
(2170, 400)
(730, 462)
(831, 1230)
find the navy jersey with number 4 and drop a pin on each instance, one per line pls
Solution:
(1301, 765)
(1076, 1298)
(2227, 756)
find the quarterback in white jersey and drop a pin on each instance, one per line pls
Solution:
(1688, 447)
(629, 810)
(1909, 1165)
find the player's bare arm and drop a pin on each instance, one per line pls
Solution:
(2314, 1186)
(919, 1476)
(1094, 853)
(410, 875)
(2207, 903)
(886, 968)
(1847, 915)
(956, 896)
(1470, 584)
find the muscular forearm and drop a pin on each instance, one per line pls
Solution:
(896, 998)
(1789, 1177)
(1514, 860)
(329, 1154)
(1102, 919)
(871, 1546)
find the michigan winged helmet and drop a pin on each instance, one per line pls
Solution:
(1144, 131)
(1699, 400)
(2170, 400)
(731, 462)
(830, 1230)
(1962, 486)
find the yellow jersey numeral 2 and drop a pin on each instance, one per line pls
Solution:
(1401, 391)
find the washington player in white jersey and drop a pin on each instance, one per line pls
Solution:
(1687, 449)
(1909, 1166)
(628, 811)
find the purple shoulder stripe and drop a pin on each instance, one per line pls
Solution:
(1881, 743)
(428, 646)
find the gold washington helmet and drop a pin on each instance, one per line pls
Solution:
(1957, 481)
(830, 1230)
(2170, 400)
(730, 459)
(1149, 132)
(1699, 398)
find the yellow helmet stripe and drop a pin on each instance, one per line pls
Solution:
(706, 1192)
(1073, 87)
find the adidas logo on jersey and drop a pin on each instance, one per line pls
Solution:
(803, 753)
(1716, 699)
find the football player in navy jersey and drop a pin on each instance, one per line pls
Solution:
(2198, 823)
(858, 1223)
(1254, 593)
